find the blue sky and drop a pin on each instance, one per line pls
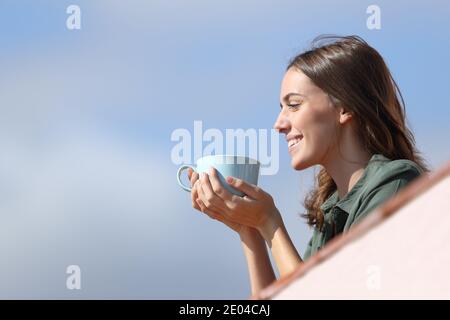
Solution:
(86, 118)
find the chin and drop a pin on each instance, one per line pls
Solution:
(299, 163)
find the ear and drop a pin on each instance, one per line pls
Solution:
(345, 116)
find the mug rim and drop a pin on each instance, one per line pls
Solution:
(231, 155)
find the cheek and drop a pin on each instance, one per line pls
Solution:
(318, 128)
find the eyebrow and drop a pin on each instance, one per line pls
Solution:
(286, 97)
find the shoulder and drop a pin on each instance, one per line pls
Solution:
(385, 179)
(387, 171)
(399, 167)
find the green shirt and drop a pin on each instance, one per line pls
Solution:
(381, 179)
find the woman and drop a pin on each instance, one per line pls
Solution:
(340, 109)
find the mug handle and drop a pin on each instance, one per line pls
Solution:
(183, 167)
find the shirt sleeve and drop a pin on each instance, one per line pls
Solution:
(383, 192)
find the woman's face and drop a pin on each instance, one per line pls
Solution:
(308, 119)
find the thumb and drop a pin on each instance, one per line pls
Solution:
(247, 188)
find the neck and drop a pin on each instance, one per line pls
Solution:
(346, 168)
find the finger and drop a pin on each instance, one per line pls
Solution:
(205, 191)
(194, 197)
(201, 205)
(210, 204)
(231, 200)
(193, 178)
(189, 172)
(201, 195)
(249, 189)
(208, 191)
(217, 186)
(212, 213)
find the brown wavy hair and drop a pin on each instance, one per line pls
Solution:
(355, 76)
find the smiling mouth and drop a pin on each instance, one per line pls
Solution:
(294, 142)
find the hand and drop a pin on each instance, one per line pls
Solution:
(256, 209)
(212, 212)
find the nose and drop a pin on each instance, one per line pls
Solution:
(282, 123)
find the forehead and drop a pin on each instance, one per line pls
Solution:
(296, 81)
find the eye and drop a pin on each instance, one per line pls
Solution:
(293, 106)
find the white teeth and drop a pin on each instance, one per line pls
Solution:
(293, 142)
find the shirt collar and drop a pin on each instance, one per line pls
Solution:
(347, 202)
